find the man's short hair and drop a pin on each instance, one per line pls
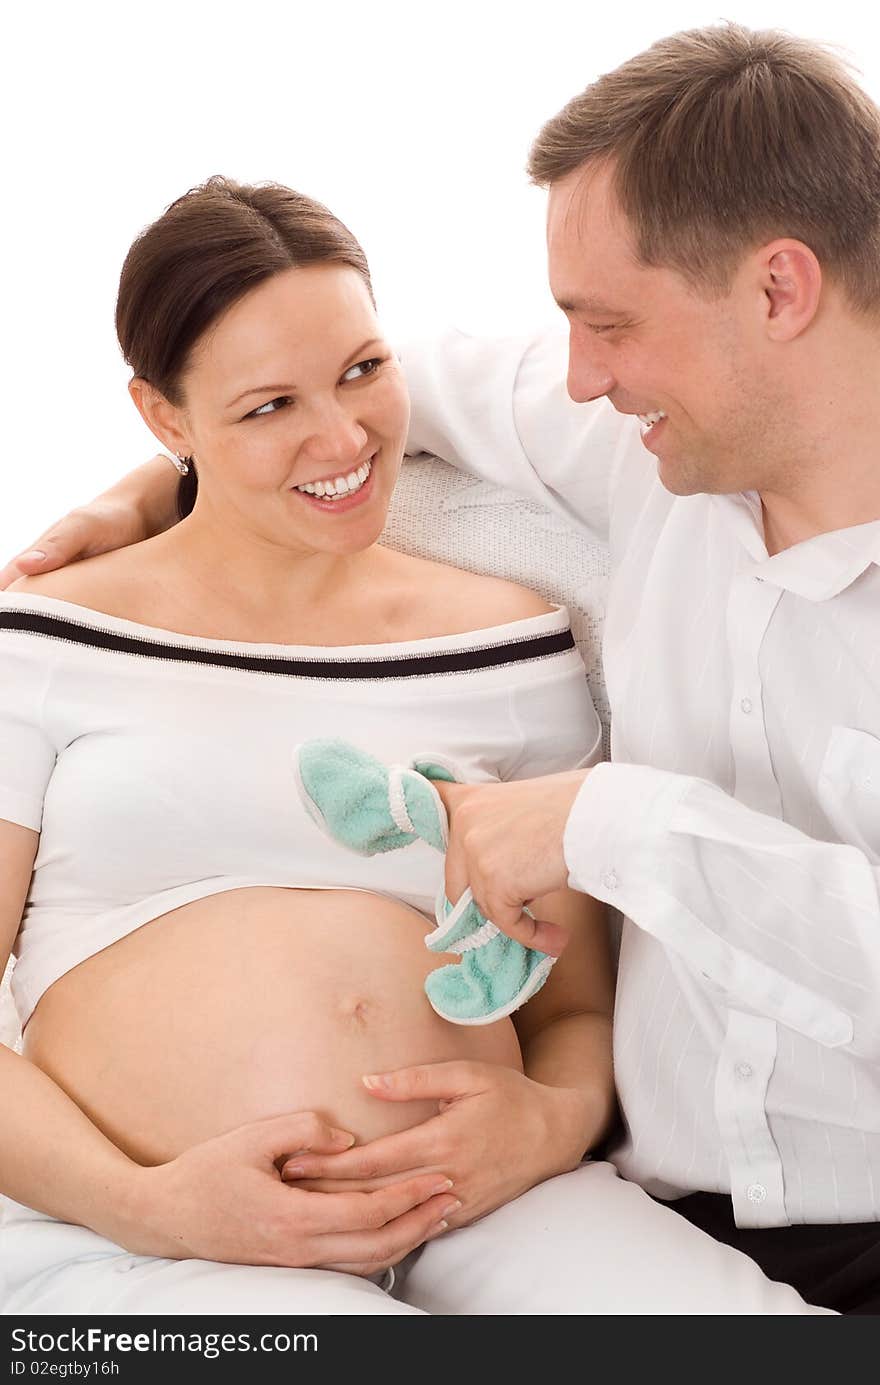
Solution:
(721, 139)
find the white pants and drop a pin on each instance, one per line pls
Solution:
(584, 1243)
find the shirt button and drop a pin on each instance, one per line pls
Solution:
(746, 705)
(756, 1192)
(744, 1070)
(610, 880)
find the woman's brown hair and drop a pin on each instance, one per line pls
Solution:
(210, 248)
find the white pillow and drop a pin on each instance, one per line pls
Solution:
(439, 512)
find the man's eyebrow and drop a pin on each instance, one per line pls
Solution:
(288, 388)
(587, 305)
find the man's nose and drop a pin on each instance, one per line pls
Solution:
(589, 376)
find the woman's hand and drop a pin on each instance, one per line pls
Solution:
(225, 1200)
(498, 1133)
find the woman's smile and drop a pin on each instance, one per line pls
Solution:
(340, 493)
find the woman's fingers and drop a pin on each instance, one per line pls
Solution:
(367, 1268)
(224, 1200)
(325, 1213)
(389, 1237)
(389, 1154)
(280, 1137)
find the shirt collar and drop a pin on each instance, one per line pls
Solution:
(816, 569)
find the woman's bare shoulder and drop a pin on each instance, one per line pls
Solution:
(107, 582)
(472, 599)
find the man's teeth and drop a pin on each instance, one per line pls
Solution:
(341, 485)
(650, 419)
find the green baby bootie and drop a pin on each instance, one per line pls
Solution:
(496, 974)
(370, 807)
(362, 804)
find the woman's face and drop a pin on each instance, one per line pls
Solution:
(295, 387)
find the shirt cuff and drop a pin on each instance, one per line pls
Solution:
(613, 830)
(615, 847)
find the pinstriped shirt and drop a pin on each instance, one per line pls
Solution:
(737, 826)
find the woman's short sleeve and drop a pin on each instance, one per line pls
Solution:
(558, 726)
(27, 755)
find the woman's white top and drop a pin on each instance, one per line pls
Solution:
(158, 769)
(738, 825)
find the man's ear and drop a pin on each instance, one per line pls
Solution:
(165, 421)
(791, 280)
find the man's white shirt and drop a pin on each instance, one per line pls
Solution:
(737, 827)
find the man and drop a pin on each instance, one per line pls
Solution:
(714, 241)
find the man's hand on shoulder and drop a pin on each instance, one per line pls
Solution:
(142, 504)
(84, 533)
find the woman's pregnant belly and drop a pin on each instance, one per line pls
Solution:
(250, 1004)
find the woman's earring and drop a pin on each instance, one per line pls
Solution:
(182, 463)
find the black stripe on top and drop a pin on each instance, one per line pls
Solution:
(385, 666)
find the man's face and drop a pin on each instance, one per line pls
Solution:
(695, 368)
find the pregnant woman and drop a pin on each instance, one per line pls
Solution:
(203, 978)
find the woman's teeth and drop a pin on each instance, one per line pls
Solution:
(341, 485)
(648, 420)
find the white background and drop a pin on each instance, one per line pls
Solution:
(411, 120)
